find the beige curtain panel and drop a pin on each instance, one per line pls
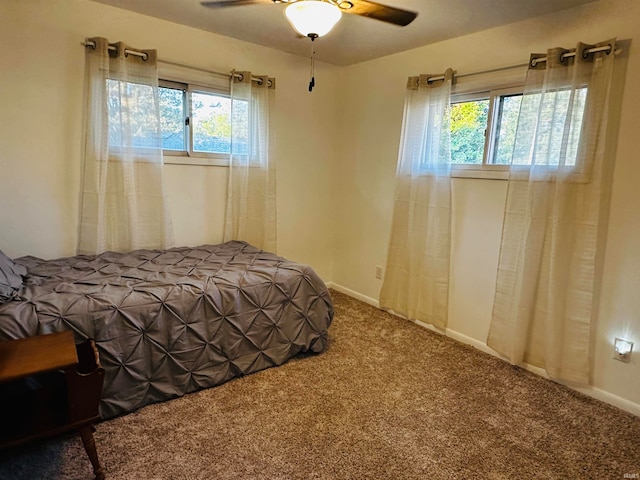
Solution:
(251, 196)
(416, 282)
(545, 303)
(123, 206)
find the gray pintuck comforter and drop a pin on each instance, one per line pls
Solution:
(170, 322)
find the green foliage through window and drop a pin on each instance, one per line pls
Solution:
(468, 125)
(172, 119)
(552, 119)
(484, 120)
(200, 121)
(506, 123)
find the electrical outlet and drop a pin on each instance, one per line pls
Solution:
(378, 271)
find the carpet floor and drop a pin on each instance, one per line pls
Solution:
(388, 400)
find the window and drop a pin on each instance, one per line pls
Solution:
(507, 109)
(196, 123)
(211, 121)
(173, 116)
(195, 117)
(468, 127)
(561, 113)
(130, 122)
(483, 129)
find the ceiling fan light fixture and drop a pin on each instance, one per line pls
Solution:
(312, 18)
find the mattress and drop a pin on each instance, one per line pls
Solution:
(174, 321)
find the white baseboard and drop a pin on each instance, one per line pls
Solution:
(610, 398)
(591, 391)
(594, 392)
(354, 294)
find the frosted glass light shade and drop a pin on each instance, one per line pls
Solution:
(312, 17)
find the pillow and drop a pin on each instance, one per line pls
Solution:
(10, 278)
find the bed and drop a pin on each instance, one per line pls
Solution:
(170, 322)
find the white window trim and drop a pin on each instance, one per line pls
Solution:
(484, 170)
(501, 80)
(487, 172)
(197, 80)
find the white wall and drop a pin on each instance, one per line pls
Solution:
(372, 99)
(41, 85)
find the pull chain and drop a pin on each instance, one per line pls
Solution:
(312, 82)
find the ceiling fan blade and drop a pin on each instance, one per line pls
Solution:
(232, 3)
(384, 13)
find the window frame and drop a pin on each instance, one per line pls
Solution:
(485, 170)
(185, 114)
(193, 80)
(116, 152)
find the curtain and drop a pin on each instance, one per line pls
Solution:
(416, 282)
(251, 194)
(560, 179)
(123, 206)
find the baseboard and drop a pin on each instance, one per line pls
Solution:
(594, 392)
(610, 398)
(353, 294)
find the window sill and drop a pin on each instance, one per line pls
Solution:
(194, 160)
(481, 173)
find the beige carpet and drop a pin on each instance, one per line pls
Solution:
(388, 400)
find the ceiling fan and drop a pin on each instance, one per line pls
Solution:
(315, 18)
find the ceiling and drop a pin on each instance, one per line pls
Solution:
(354, 39)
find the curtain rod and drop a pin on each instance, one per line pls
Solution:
(223, 74)
(606, 48)
(462, 75)
(144, 56)
(533, 63)
(113, 48)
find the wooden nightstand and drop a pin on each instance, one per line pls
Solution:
(48, 386)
